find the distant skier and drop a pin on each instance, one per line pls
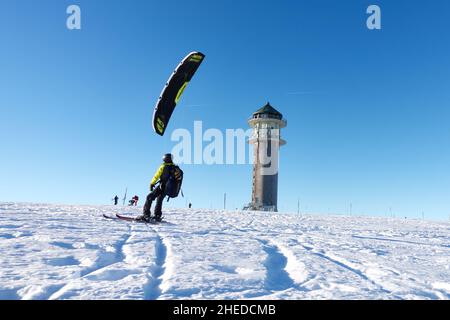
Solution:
(190, 205)
(135, 200)
(116, 200)
(169, 176)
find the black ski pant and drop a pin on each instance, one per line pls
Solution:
(157, 194)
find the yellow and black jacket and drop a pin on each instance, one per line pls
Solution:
(162, 174)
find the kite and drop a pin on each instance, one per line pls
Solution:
(173, 90)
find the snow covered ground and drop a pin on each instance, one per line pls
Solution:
(71, 252)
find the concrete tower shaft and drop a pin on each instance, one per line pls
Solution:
(266, 140)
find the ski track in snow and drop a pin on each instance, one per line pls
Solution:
(283, 271)
(154, 286)
(72, 252)
(340, 262)
(95, 272)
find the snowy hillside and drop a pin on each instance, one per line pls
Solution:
(71, 252)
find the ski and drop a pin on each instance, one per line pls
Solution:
(133, 219)
(109, 217)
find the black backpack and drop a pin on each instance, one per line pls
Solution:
(174, 182)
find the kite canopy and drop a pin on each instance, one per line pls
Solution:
(173, 90)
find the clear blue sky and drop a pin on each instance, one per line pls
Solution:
(368, 111)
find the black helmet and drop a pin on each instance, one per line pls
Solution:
(168, 158)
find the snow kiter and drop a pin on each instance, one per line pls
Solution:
(173, 90)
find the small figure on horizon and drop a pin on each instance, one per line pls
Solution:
(190, 205)
(116, 200)
(135, 199)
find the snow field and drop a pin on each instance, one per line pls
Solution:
(72, 252)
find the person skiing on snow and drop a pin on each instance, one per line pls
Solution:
(162, 176)
(135, 200)
(116, 200)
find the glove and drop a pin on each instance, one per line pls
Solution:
(152, 186)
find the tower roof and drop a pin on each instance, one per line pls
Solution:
(267, 111)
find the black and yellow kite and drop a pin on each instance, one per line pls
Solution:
(173, 90)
